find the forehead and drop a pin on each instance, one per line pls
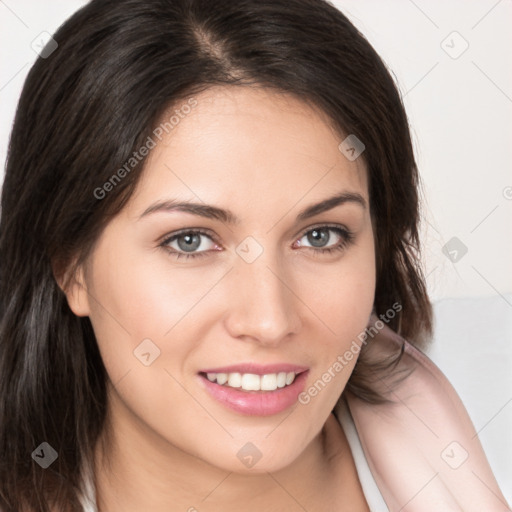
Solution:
(251, 147)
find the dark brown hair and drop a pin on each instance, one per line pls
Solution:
(84, 110)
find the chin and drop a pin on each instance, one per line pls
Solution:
(257, 458)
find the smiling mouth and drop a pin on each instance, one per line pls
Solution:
(258, 391)
(251, 382)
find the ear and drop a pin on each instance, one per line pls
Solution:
(75, 289)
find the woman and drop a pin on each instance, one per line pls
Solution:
(211, 297)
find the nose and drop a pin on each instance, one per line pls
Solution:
(262, 303)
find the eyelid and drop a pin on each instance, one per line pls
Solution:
(174, 234)
(213, 236)
(322, 225)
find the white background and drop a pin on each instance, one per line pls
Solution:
(460, 111)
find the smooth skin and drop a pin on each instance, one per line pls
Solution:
(265, 156)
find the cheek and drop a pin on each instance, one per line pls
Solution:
(136, 297)
(341, 303)
(341, 294)
(145, 322)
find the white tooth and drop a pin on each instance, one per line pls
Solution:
(222, 378)
(281, 379)
(211, 376)
(250, 382)
(234, 380)
(290, 376)
(269, 382)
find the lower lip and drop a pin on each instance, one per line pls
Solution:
(256, 403)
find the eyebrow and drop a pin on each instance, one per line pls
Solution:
(228, 217)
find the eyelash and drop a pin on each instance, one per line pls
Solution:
(346, 235)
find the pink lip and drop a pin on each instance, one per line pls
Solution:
(256, 403)
(257, 369)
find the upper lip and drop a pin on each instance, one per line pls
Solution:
(257, 369)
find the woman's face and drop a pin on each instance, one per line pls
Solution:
(248, 287)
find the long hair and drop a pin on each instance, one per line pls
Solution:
(86, 107)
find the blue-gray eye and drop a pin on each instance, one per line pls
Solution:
(190, 242)
(318, 237)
